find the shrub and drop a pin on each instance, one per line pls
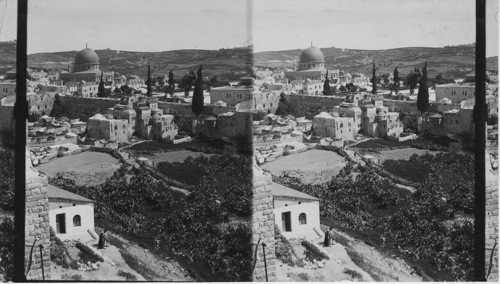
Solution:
(76, 277)
(128, 276)
(313, 252)
(87, 254)
(59, 253)
(284, 251)
(303, 276)
(353, 273)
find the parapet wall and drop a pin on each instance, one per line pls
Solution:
(37, 224)
(6, 118)
(263, 227)
(491, 233)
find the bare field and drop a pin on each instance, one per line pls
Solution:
(86, 168)
(313, 166)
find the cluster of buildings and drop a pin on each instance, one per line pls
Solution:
(133, 115)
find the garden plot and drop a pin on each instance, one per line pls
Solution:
(175, 156)
(313, 166)
(402, 154)
(87, 168)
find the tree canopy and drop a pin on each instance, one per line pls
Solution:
(411, 80)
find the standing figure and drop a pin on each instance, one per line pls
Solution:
(102, 240)
(327, 237)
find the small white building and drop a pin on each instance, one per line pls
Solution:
(295, 213)
(70, 215)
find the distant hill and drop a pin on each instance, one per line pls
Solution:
(454, 61)
(7, 56)
(225, 63)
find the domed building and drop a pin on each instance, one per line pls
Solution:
(86, 59)
(311, 58)
(86, 69)
(311, 72)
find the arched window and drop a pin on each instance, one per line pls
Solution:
(77, 221)
(302, 218)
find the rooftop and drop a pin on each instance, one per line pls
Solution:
(59, 193)
(279, 190)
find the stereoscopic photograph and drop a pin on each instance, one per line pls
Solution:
(249, 140)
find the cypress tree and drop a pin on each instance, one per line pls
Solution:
(326, 86)
(396, 77)
(374, 80)
(423, 92)
(197, 102)
(100, 90)
(148, 82)
(171, 82)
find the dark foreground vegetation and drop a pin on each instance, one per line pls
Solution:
(421, 226)
(7, 170)
(7, 176)
(206, 230)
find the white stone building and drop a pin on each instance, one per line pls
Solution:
(326, 125)
(295, 213)
(70, 215)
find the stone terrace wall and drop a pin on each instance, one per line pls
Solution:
(37, 222)
(99, 103)
(305, 105)
(491, 233)
(263, 226)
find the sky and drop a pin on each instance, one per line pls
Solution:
(137, 25)
(158, 25)
(368, 24)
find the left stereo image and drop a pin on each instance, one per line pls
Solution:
(138, 166)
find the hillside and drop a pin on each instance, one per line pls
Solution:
(452, 60)
(7, 56)
(228, 63)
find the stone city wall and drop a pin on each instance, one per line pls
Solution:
(403, 106)
(100, 104)
(263, 226)
(266, 140)
(308, 106)
(175, 108)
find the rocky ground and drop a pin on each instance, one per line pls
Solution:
(350, 260)
(124, 261)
